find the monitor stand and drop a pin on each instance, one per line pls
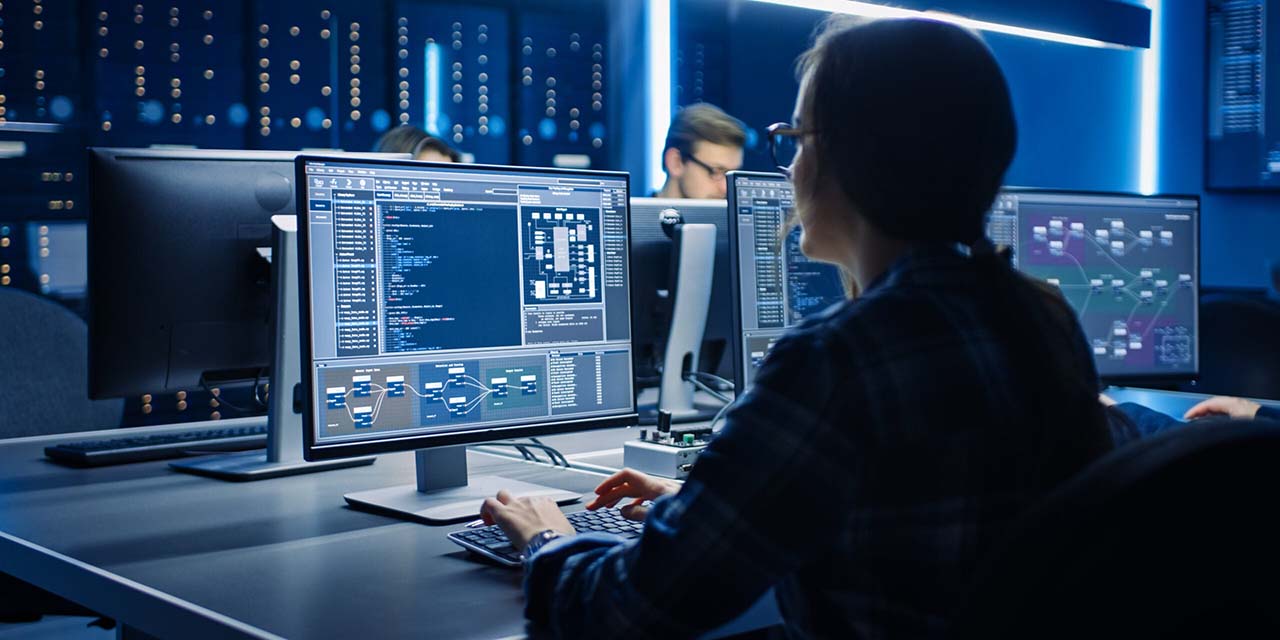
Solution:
(444, 493)
(694, 252)
(283, 456)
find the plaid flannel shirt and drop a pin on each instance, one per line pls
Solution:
(884, 447)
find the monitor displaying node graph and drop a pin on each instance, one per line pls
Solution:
(463, 302)
(1129, 265)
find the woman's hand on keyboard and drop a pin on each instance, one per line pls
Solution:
(523, 518)
(637, 486)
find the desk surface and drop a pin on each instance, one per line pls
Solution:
(1172, 403)
(179, 555)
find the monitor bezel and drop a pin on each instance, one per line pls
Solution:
(313, 450)
(731, 201)
(1144, 379)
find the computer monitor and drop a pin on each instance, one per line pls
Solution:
(1128, 264)
(178, 290)
(188, 288)
(652, 282)
(776, 285)
(444, 305)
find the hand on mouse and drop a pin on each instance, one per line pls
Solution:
(630, 483)
(1224, 405)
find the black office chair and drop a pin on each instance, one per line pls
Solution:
(44, 389)
(44, 381)
(1239, 346)
(1171, 537)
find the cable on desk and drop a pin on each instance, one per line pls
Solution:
(552, 453)
(529, 455)
(551, 449)
(557, 458)
(256, 398)
(204, 384)
(719, 415)
(257, 380)
(715, 394)
(725, 385)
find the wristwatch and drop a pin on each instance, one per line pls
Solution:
(540, 540)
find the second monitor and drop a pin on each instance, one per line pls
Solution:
(652, 280)
(1128, 264)
(777, 286)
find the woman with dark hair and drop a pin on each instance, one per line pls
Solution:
(412, 140)
(886, 443)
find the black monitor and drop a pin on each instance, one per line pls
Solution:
(776, 285)
(652, 282)
(1128, 264)
(178, 289)
(444, 305)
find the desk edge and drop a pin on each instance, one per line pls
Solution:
(128, 602)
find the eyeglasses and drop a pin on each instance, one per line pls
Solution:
(717, 173)
(784, 143)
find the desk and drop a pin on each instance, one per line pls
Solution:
(176, 555)
(1172, 403)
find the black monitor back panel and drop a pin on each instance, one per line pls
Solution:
(518, 84)
(180, 288)
(652, 265)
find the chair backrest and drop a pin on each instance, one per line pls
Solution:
(44, 370)
(1239, 346)
(1170, 537)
